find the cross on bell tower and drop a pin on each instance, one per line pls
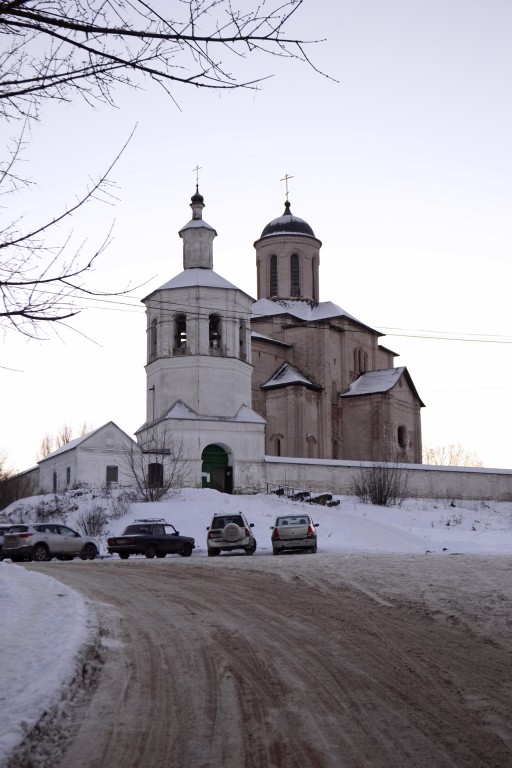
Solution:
(285, 179)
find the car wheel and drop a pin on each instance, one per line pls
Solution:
(275, 551)
(89, 552)
(213, 552)
(186, 550)
(124, 555)
(250, 550)
(313, 550)
(160, 554)
(40, 553)
(150, 552)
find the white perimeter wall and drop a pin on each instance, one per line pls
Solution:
(424, 481)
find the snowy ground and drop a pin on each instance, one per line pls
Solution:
(45, 626)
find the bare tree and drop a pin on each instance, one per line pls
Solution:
(157, 464)
(56, 48)
(40, 282)
(53, 50)
(50, 443)
(14, 485)
(384, 483)
(46, 447)
(64, 435)
(453, 455)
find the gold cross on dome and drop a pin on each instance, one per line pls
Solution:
(196, 170)
(285, 179)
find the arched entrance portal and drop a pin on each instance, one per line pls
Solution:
(216, 472)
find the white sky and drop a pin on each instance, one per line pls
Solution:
(403, 170)
(56, 617)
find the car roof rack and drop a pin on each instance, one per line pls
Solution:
(151, 520)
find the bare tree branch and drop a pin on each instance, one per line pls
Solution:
(57, 47)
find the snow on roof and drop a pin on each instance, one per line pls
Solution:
(288, 374)
(182, 411)
(303, 310)
(72, 444)
(198, 277)
(375, 381)
(262, 337)
(196, 224)
(79, 440)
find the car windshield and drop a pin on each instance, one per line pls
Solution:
(221, 522)
(293, 520)
(138, 529)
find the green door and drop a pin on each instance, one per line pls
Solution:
(216, 472)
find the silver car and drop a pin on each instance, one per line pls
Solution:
(4, 527)
(291, 532)
(230, 532)
(43, 541)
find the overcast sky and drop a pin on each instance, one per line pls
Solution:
(403, 169)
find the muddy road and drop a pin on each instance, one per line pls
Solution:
(304, 661)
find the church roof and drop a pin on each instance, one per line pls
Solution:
(196, 224)
(181, 410)
(302, 310)
(198, 276)
(375, 382)
(287, 224)
(261, 337)
(288, 374)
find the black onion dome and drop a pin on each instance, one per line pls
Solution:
(197, 197)
(287, 224)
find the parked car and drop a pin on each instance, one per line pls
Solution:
(152, 537)
(294, 532)
(227, 533)
(4, 527)
(43, 541)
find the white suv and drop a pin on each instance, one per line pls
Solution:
(230, 532)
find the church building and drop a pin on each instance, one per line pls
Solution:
(198, 372)
(322, 381)
(231, 380)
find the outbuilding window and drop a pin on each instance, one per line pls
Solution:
(112, 474)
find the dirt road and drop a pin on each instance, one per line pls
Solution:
(305, 661)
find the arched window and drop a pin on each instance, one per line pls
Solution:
(155, 475)
(242, 332)
(180, 332)
(360, 360)
(314, 269)
(214, 332)
(273, 276)
(152, 339)
(402, 436)
(294, 275)
(312, 447)
(277, 442)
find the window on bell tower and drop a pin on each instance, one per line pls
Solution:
(215, 332)
(273, 276)
(294, 275)
(153, 339)
(180, 332)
